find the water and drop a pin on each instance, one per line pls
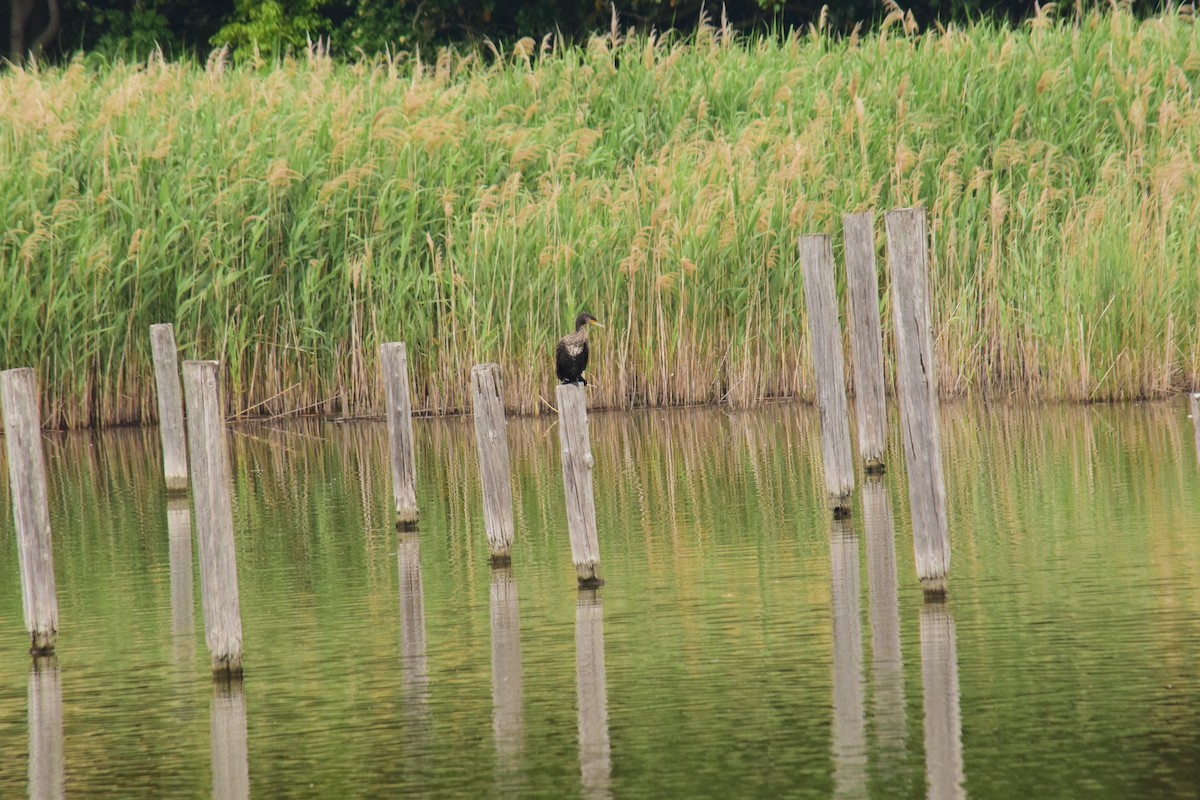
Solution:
(743, 646)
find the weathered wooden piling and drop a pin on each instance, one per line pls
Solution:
(943, 716)
(577, 483)
(508, 693)
(849, 691)
(866, 339)
(1195, 406)
(170, 407)
(591, 686)
(47, 760)
(825, 337)
(917, 385)
(394, 358)
(887, 667)
(492, 440)
(212, 500)
(228, 741)
(31, 511)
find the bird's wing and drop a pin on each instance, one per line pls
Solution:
(562, 361)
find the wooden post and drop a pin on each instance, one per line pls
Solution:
(1195, 405)
(394, 359)
(577, 483)
(31, 511)
(47, 761)
(508, 694)
(849, 715)
(825, 337)
(866, 340)
(591, 686)
(213, 506)
(943, 717)
(228, 741)
(917, 384)
(170, 407)
(887, 667)
(492, 441)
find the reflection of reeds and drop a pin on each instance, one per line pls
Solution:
(287, 220)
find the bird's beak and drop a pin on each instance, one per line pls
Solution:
(595, 322)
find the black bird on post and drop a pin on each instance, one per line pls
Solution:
(571, 353)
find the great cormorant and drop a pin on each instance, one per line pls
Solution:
(571, 353)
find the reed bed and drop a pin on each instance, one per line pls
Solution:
(289, 217)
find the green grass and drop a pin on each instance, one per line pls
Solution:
(290, 217)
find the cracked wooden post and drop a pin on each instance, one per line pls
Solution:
(917, 384)
(212, 499)
(31, 510)
(577, 483)
(394, 359)
(492, 441)
(1194, 400)
(866, 340)
(170, 407)
(825, 337)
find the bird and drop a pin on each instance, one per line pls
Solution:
(571, 352)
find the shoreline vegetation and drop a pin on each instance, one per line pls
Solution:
(288, 217)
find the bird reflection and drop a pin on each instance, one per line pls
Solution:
(227, 729)
(849, 721)
(592, 691)
(890, 727)
(508, 720)
(943, 720)
(412, 626)
(183, 613)
(47, 771)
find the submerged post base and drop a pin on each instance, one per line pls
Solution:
(406, 525)
(592, 582)
(229, 666)
(874, 468)
(934, 589)
(41, 643)
(841, 512)
(501, 560)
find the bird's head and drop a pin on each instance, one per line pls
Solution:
(584, 320)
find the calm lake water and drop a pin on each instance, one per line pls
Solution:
(743, 645)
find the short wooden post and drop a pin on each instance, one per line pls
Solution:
(917, 384)
(866, 340)
(1195, 405)
(825, 337)
(394, 359)
(170, 407)
(492, 441)
(887, 667)
(577, 483)
(591, 686)
(212, 498)
(47, 760)
(228, 741)
(31, 510)
(508, 693)
(849, 701)
(943, 716)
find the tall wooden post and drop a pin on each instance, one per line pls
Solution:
(394, 359)
(825, 337)
(591, 686)
(508, 693)
(577, 483)
(866, 340)
(31, 510)
(170, 407)
(1194, 399)
(917, 384)
(212, 498)
(943, 716)
(849, 714)
(47, 758)
(492, 441)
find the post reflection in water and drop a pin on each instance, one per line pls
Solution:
(412, 626)
(889, 724)
(47, 769)
(592, 693)
(227, 729)
(508, 693)
(183, 614)
(943, 720)
(849, 720)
